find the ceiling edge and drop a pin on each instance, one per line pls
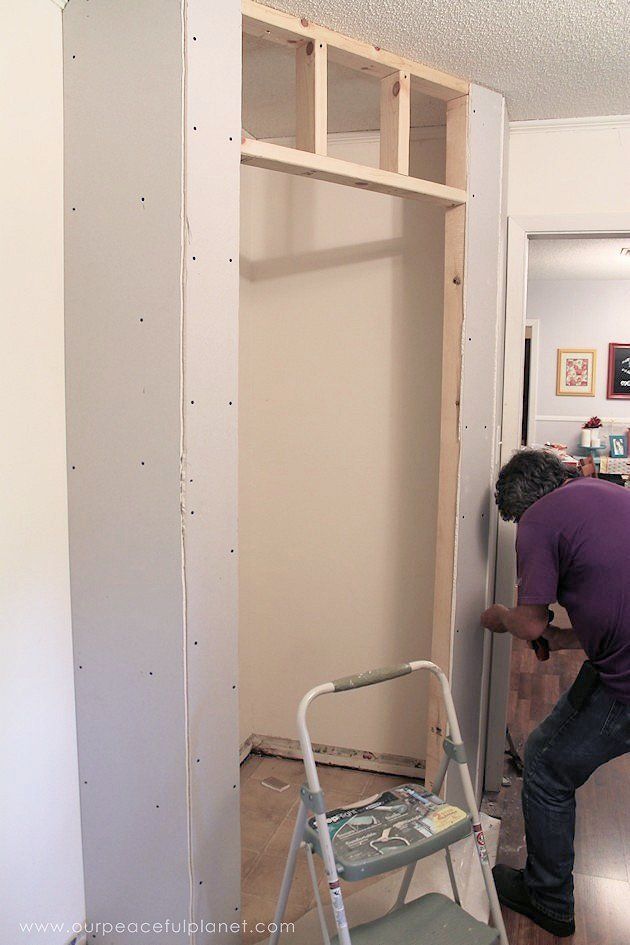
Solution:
(60, 3)
(570, 124)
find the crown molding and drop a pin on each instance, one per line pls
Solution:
(595, 123)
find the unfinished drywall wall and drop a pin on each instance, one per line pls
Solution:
(340, 362)
(41, 874)
(123, 154)
(152, 171)
(482, 354)
(212, 134)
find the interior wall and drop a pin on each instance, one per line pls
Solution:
(580, 166)
(123, 212)
(340, 364)
(583, 314)
(41, 870)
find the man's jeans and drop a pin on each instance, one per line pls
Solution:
(560, 755)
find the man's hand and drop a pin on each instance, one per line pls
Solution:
(525, 621)
(492, 618)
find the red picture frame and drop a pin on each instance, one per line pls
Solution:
(618, 371)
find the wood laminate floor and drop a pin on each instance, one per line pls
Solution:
(602, 866)
(267, 821)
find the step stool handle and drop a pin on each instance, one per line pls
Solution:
(371, 677)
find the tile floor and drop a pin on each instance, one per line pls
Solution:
(267, 820)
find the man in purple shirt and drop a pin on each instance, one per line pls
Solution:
(573, 546)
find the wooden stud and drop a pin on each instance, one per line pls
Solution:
(445, 550)
(395, 122)
(277, 27)
(311, 86)
(291, 161)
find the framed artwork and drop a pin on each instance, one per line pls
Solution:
(618, 371)
(576, 372)
(618, 446)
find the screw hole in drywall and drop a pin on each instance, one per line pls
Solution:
(231, 551)
(231, 260)
(157, 806)
(74, 209)
(194, 127)
(196, 642)
(150, 672)
(74, 467)
(80, 667)
(231, 138)
(194, 39)
(192, 401)
(198, 760)
(201, 882)
(191, 512)
(142, 199)
(229, 403)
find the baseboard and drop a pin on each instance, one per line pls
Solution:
(246, 748)
(333, 755)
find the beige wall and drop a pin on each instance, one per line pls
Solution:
(570, 167)
(340, 328)
(41, 876)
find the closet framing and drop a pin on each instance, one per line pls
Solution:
(153, 150)
(314, 46)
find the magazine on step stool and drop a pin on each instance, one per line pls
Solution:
(386, 822)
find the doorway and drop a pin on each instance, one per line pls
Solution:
(523, 233)
(566, 288)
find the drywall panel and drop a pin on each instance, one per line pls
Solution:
(479, 418)
(123, 196)
(212, 134)
(340, 378)
(41, 873)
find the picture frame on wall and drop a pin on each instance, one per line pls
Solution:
(618, 371)
(576, 372)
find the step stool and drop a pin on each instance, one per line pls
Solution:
(383, 833)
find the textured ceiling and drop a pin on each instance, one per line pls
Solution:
(550, 58)
(579, 259)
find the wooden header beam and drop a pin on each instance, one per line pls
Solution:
(275, 26)
(275, 157)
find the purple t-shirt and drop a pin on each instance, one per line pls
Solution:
(573, 546)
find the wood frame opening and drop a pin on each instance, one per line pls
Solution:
(314, 47)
